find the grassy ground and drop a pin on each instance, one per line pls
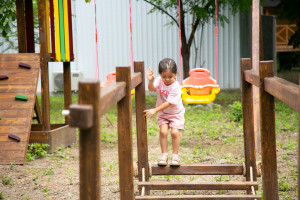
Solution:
(213, 134)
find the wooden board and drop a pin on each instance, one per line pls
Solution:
(16, 115)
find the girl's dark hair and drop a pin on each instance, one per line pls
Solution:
(167, 64)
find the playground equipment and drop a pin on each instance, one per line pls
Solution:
(53, 134)
(199, 87)
(86, 115)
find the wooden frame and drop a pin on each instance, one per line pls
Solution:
(269, 86)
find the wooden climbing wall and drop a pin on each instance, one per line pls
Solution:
(16, 115)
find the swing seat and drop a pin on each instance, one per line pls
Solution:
(199, 87)
(111, 78)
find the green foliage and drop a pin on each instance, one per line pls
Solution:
(236, 112)
(1, 195)
(6, 180)
(49, 171)
(36, 150)
(62, 152)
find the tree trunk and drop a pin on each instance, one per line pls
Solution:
(186, 60)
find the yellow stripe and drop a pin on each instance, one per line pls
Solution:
(66, 25)
(56, 25)
(47, 26)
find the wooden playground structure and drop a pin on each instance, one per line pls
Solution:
(94, 103)
(15, 120)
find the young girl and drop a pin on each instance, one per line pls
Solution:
(169, 108)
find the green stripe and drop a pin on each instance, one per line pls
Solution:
(21, 97)
(61, 30)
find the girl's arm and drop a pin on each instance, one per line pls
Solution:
(150, 76)
(151, 112)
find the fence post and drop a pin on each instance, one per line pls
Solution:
(268, 135)
(125, 137)
(141, 125)
(248, 121)
(89, 143)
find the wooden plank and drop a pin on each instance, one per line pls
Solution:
(89, 143)
(7, 70)
(283, 90)
(232, 185)
(19, 80)
(12, 145)
(248, 122)
(14, 121)
(200, 197)
(268, 135)
(141, 124)
(39, 137)
(17, 89)
(13, 104)
(110, 95)
(20, 57)
(67, 87)
(125, 137)
(252, 76)
(81, 116)
(21, 26)
(62, 136)
(199, 169)
(37, 110)
(136, 79)
(22, 130)
(9, 114)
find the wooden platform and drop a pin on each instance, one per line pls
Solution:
(16, 115)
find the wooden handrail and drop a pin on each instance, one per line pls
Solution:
(281, 89)
(136, 79)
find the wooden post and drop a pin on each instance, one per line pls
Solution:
(67, 87)
(141, 125)
(44, 66)
(89, 143)
(29, 26)
(21, 26)
(248, 122)
(268, 135)
(125, 137)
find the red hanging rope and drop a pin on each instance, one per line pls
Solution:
(131, 52)
(216, 38)
(97, 61)
(179, 32)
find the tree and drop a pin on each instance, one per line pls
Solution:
(291, 10)
(201, 11)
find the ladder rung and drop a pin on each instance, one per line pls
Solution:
(194, 197)
(230, 185)
(199, 169)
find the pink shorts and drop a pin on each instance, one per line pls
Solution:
(173, 120)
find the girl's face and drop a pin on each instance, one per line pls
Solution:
(168, 77)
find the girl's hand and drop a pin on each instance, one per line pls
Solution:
(150, 113)
(150, 74)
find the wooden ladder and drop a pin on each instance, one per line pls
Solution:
(198, 169)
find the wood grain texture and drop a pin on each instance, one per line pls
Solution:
(141, 124)
(89, 143)
(248, 122)
(268, 135)
(200, 197)
(21, 26)
(230, 185)
(17, 115)
(125, 137)
(136, 79)
(67, 87)
(283, 90)
(81, 116)
(110, 95)
(252, 76)
(199, 169)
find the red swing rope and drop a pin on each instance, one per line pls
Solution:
(130, 24)
(96, 35)
(216, 38)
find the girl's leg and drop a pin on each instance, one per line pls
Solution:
(175, 140)
(163, 138)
